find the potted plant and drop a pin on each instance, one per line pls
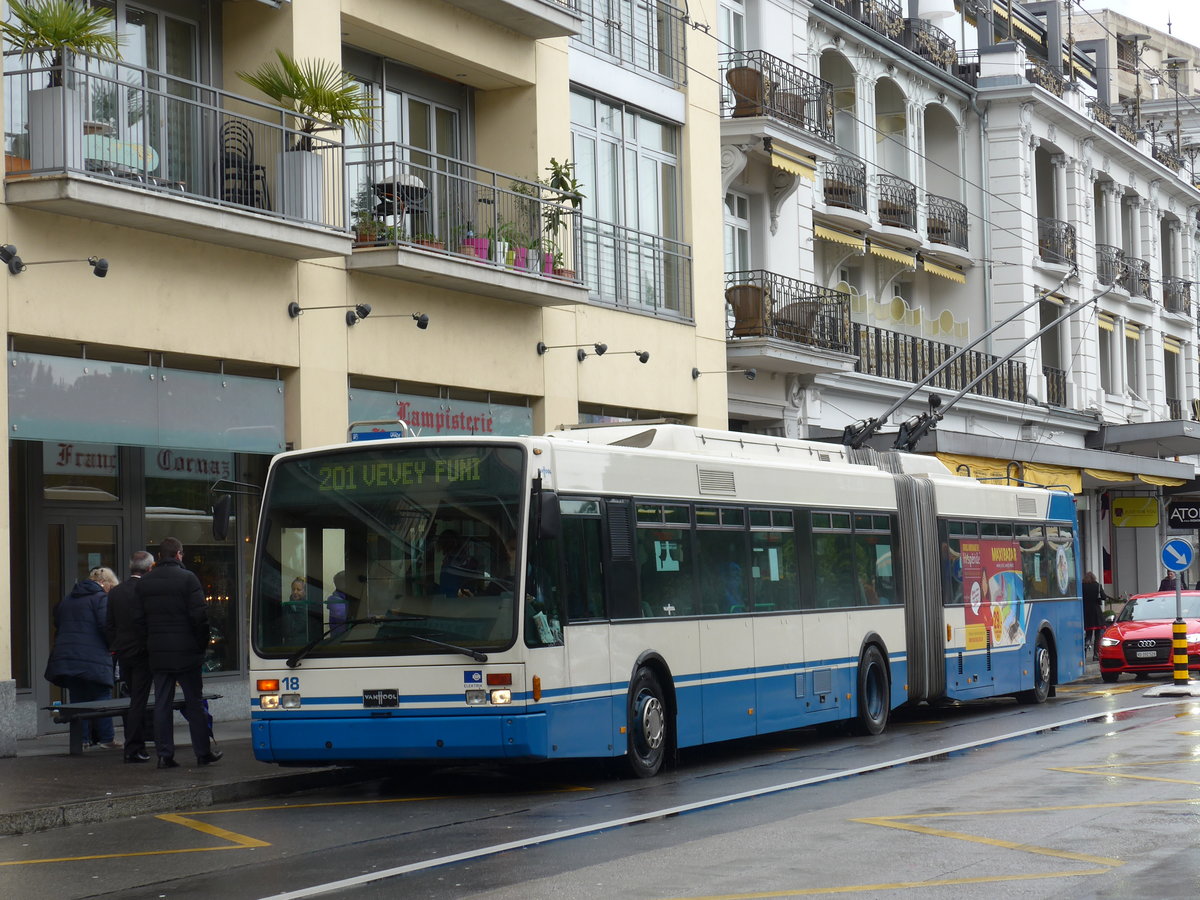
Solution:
(323, 98)
(429, 240)
(51, 29)
(517, 242)
(470, 245)
(366, 226)
(564, 190)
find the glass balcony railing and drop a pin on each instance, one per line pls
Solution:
(407, 196)
(636, 269)
(132, 126)
(946, 221)
(903, 357)
(759, 84)
(767, 305)
(650, 35)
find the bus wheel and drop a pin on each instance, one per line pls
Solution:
(1109, 677)
(1041, 673)
(647, 732)
(874, 692)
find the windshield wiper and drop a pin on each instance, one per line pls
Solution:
(465, 651)
(341, 628)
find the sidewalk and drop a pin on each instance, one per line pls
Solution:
(43, 786)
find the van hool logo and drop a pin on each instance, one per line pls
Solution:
(381, 697)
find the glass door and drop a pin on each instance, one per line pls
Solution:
(75, 543)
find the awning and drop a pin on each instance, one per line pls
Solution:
(840, 237)
(1172, 437)
(789, 159)
(1108, 475)
(1006, 471)
(1171, 345)
(943, 272)
(1105, 321)
(1161, 482)
(907, 257)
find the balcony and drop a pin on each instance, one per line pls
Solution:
(647, 37)
(946, 222)
(966, 67)
(1056, 242)
(1110, 264)
(123, 145)
(1177, 295)
(763, 85)
(897, 203)
(844, 183)
(884, 16)
(430, 219)
(930, 43)
(1174, 409)
(533, 18)
(903, 357)
(636, 270)
(1043, 76)
(1167, 156)
(1136, 279)
(1056, 386)
(1119, 124)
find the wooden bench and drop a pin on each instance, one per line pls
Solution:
(74, 713)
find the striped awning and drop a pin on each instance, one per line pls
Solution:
(944, 272)
(789, 159)
(840, 237)
(1171, 345)
(901, 256)
(1105, 321)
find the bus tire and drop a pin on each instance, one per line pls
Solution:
(1109, 677)
(874, 692)
(648, 726)
(1041, 673)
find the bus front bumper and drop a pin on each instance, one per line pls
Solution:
(324, 740)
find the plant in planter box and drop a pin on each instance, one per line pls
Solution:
(469, 244)
(519, 244)
(564, 189)
(51, 29)
(323, 98)
(428, 239)
(366, 226)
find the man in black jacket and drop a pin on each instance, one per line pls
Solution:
(127, 640)
(171, 603)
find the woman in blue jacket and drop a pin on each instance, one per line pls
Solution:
(80, 661)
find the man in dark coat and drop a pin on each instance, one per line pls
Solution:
(128, 642)
(80, 661)
(171, 606)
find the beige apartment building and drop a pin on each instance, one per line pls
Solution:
(265, 287)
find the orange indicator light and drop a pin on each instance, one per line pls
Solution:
(268, 684)
(497, 679)
(537, 687)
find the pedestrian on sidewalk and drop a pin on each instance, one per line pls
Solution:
(1093, 614)
(171, 605)
(80, 662)
(127, 640)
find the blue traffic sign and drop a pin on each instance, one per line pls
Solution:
(1177, 554)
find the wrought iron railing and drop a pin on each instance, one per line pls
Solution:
(1177, 294)
(903, 357)
(946, 221)
(650, 36)
(844, 182)
(1167, 156)
(406, 195)
(1136, 279)
(885, 16)
(930, 43)
(966, 67)
(1043, 76)
(636, 269)
(1056, 385)
(1056, 241)
(144, 129)
(767, 305)
(897, 202)
(1110, 263)
(1174, 408)
(759, 84)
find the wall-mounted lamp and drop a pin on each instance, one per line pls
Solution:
(353, 314)
(16, 265)
(421, 319)
(580, 353)
(643, 356)
(750, 374)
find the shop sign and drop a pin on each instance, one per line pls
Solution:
(74, 458)
(434, 416)
(1183, 514)
(1135, 512)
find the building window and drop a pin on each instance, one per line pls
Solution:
(647, 35)
(1127, 55)
(1133, 361)
(1107, 355)
(737, 232)
(629, 165)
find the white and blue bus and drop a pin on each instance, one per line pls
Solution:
(630, 590)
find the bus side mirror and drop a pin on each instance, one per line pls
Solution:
(549, 516)
(220, 517)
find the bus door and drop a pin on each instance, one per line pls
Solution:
(993, 599)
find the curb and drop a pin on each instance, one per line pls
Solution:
(87, 812)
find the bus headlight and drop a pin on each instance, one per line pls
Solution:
(289, 701)
(268, 701)
(501, 697)
(477, 698)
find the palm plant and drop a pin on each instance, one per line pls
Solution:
(52, 28)
(323, 97)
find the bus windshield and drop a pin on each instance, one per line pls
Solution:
(397, 550)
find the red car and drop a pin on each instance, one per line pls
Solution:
(1139, 639)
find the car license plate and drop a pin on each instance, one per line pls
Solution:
(381, 697)
(1147, 654)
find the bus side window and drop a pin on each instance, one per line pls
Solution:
(584, 577)
(833, 570)
(773, 572)
(543, 594)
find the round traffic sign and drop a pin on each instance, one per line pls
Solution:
(1177, 554)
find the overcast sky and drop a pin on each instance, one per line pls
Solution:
(1184, 14)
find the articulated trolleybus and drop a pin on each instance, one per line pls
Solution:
(630, 590)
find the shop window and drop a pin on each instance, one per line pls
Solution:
(74, 472)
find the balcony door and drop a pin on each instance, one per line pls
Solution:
(149, 98)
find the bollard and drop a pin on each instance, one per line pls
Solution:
(1179, 651)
